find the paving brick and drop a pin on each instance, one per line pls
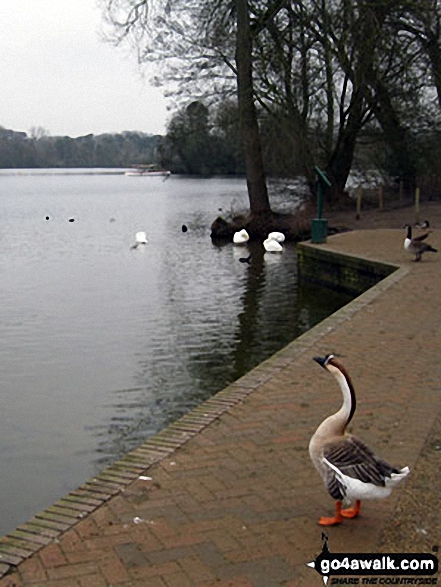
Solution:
(85, 556)
(195, 569)
(71, 571)
(178, 580)
(152, 582)
(92, 581)
(240, 581)
(57, 583)
(71, 541)
(52, 556)
(12, 580)
(130, 555)
(32, 570)
(113, 570)
(87, 528)
(156, 570)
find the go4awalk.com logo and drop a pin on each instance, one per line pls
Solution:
(375, 569)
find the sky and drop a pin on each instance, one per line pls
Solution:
(57, 73)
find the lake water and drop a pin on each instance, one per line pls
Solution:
(102, 345)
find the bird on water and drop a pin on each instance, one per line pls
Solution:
(276, 236)
(416, 246)
(272, 246)
(140, 239)
(241, 237)
(350, 470)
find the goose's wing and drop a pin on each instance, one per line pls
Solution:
(420, 237)
(354, 459)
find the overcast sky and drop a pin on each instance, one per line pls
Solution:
(56, 73)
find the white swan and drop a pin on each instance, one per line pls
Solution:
(140, 239)
(241, 237)
(272, 246)
(277, 236)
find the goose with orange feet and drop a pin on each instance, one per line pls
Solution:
(350, 470)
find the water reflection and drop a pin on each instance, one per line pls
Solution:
(220, 318)
(103, 345)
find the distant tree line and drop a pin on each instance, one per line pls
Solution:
(200, 140)
(205, 140)
(20, 150)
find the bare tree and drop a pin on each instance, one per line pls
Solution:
(257, 190)
(323, 69)
(193, 39)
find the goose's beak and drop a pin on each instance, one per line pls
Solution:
(321, 361)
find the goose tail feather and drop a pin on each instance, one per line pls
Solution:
(395, 478)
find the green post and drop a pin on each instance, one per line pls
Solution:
(319, 225)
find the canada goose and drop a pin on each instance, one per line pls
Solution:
(415, 245)
(423, 225)
(277, 236)
(241, 237)
(350, 470)
(272, 246)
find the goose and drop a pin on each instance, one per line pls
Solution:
(423, 225)
(416, 246)
(350, 470)
(277, 236)
(272, 246)
(241, 237)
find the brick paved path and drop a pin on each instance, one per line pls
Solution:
(237, 504)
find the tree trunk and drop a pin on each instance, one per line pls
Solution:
(257, 190)
(434, 53)
(340, 163)
(396, 136)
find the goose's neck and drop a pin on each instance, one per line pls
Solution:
(337, 423)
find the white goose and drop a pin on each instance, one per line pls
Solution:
(350, 470)
(416, 246)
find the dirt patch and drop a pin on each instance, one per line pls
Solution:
(416, 524)
(394, 218)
